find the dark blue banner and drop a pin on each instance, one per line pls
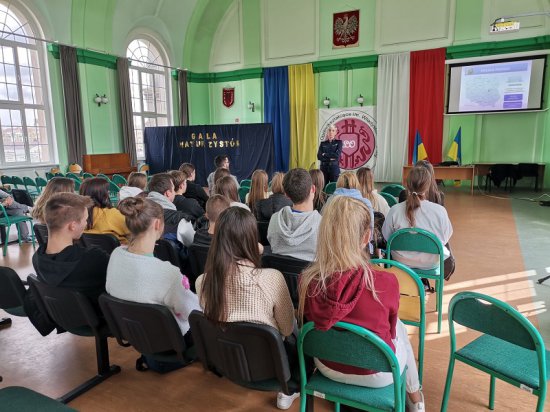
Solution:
(249, 147)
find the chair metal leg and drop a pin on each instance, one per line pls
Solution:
(448, 381)
(336, 406)
(492, 393)
(439, 304)
(303, 400)
(6, 241)
(421, 335)
(540, 401)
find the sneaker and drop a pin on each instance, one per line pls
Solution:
(27, 239)
(416, 407)
(285, 401)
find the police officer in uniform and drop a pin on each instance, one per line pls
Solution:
(329, 154)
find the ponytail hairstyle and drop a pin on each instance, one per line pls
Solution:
(225, 256)
(418, 185)
(258, 188)
(338, 250)
(348, 180)
(434, 195)
(139, 214)
(366, 185)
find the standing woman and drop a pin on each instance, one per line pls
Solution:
(341, 285)
(329, 153)
(234, 287)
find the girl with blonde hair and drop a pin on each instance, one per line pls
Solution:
(56, 185)
(341, 285)
(366, 186)
(258, 189)
(264, 209)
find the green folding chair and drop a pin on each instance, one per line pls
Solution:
(243, 191)
(330, 188)
(119, 180)
(17, 182)
(49, 175)
(420, 240)
(30, 187)
(40, 183)
(349, 345)
(389, 198)
(246, 183)
(113, 193)
(6, 180)
(73, 176)
(412, 308)
(393, 189)
(87, 176)
(7, 221)
(101, 175)
(510, 347)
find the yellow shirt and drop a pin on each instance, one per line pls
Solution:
(110, 221)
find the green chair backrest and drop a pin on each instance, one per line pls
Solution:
(49, 175)
(87, 175)
(246, 183)
(330, 188)
(389, 198)
(348, 345)
(243, 191)
(494, 317)
(40, 182)
(73, 176)
(415, 240)
(27, 181)
(119, 180)
(17, 181)
(393, 189)
(101, 175)
(113, 188)
(6, 180)
(77, 184)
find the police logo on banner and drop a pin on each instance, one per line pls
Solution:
(228, 96)
(356, 130)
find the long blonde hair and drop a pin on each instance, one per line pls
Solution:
(258, 188)
(338, 250)
(366, 185)
(348, 180)
(55, 185)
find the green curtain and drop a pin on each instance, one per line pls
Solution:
(303, 116)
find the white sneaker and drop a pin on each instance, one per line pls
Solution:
(416, 407)
(285, 401)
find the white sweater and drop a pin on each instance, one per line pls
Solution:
(146, 279)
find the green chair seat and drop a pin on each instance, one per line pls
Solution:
(17, 398)
(16, 311)
(521, 364)
(380, 398)
(389, 198)
(330, 188)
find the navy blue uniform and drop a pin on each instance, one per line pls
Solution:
(329, 154)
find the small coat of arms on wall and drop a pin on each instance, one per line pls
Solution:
(228, 96)
(345, 29)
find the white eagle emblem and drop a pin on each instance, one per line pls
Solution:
(345, 28)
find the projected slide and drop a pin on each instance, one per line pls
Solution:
(495, 86)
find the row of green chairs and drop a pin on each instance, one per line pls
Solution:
(32, 186)
(510, 348)
(7, 221)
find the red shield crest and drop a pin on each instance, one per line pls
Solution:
(228, 96)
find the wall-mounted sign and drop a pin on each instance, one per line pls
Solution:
(345, 29)
(228, 96)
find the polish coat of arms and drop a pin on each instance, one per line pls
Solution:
(345, 29)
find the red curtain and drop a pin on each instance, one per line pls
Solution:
(426, 102)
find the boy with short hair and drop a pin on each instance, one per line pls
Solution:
(214, 207)
(194, 191)
(137, 182)
(183, 204)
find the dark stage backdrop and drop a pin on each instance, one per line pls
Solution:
(249, 147)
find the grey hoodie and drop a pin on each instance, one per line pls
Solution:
(294, 233)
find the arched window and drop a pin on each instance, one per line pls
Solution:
(149, 85)
(24, 124)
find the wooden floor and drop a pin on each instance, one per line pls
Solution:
(488, 257)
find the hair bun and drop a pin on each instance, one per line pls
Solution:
(131, 206)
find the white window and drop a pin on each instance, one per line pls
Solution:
(25, 136)
(149, 85)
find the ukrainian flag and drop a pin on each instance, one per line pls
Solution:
(419, 152)
(455, 151)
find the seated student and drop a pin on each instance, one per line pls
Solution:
(434, 194)
(14, 208)
(177, 225)
(341, 285)
(134, 274)
(365, 177)
(137, 182)
(194, 191)
(61, 262)
(265, 208)
(55, 185)
(226, 187)
(218, 174)
(258, 189)
(293, 230)
(102, 216)
(215, 205)
(223, 162)
(320, 198)
(183, 204)
(234, 287)
(417, 211)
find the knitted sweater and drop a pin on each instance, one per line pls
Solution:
(257, 296)
(146, 279)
